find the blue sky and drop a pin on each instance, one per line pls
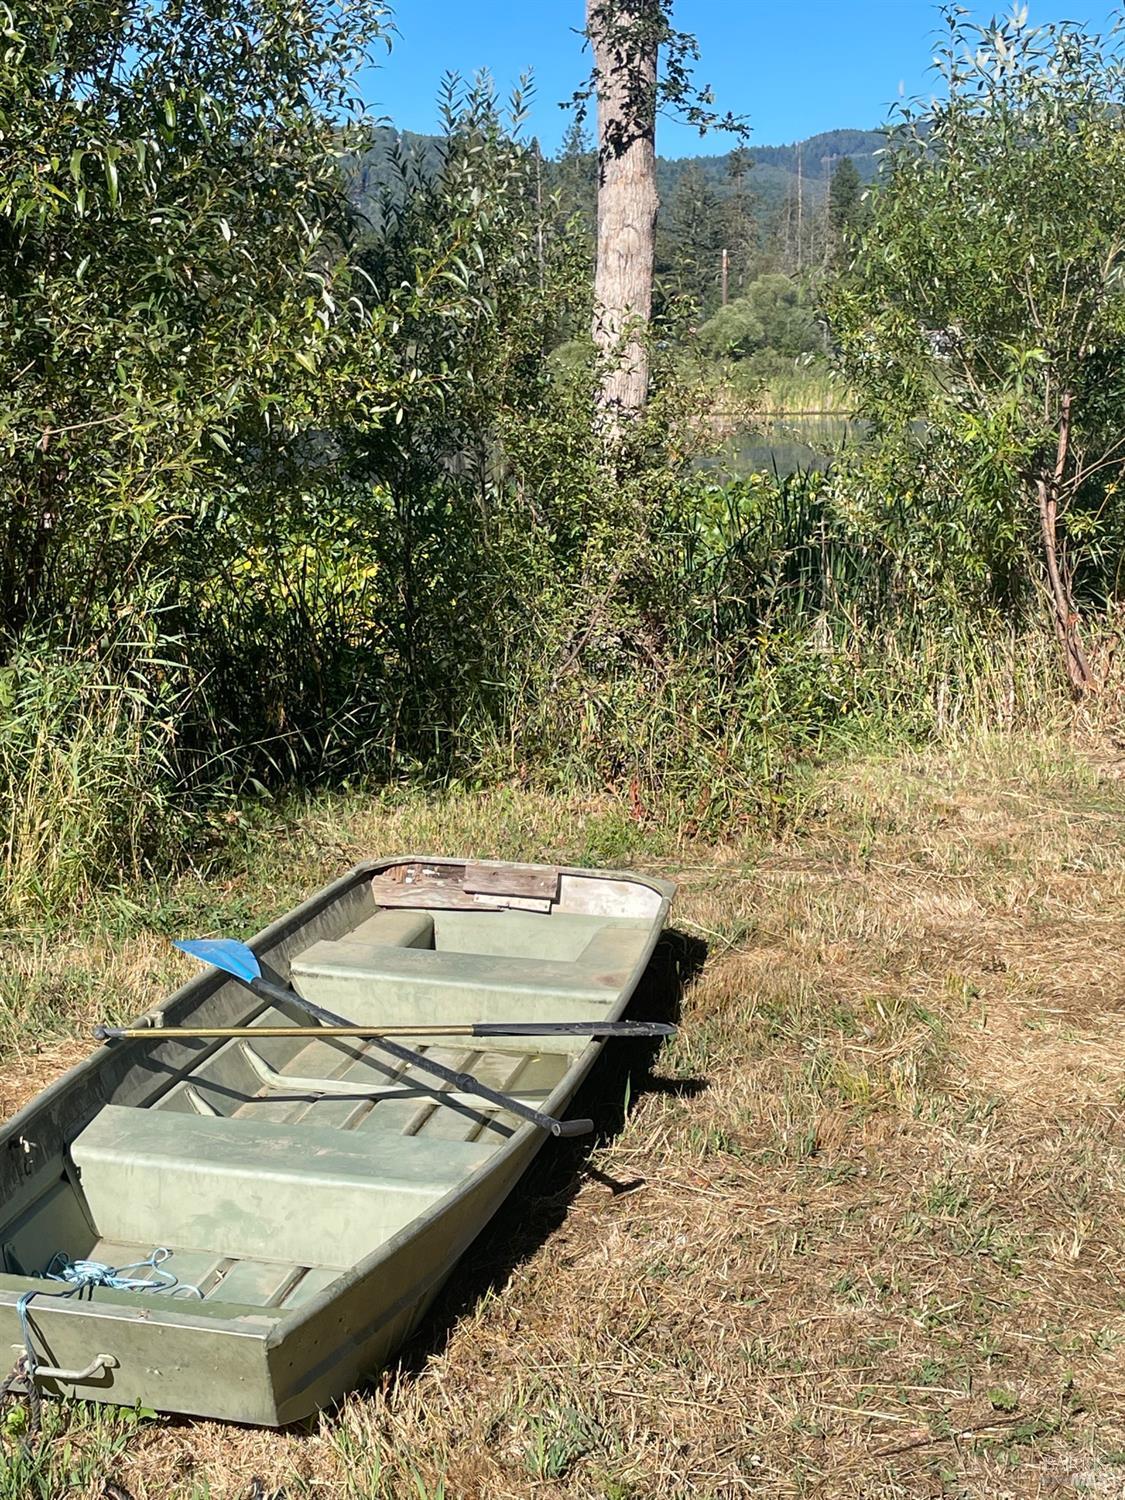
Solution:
(795, 68)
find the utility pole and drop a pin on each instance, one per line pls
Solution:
(800, 206)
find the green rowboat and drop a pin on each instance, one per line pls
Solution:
(312, 1195)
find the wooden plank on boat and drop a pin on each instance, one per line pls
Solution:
(512, 880)
(516, 903)
(426, 894)
(476, 886)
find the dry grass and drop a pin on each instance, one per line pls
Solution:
(861, 1234)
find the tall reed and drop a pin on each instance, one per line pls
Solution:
(85, 778)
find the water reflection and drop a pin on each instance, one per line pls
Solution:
(784, 444)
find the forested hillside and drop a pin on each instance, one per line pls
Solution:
(768, 206)
(775, 169)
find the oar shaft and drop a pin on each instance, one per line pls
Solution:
(229, 1033)
(463, 1081)
(475, 1028)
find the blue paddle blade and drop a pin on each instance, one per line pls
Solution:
(222, 953)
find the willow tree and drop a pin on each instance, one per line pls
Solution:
(178, 305)
(984, 329)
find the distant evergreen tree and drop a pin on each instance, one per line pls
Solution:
(694, 239)
(739, 162)
(845, 208)
(745, 201)
(739, 221)
(799, 231)
(573, 176)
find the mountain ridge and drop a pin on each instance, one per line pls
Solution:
(775, 172)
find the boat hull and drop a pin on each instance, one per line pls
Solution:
(278, 1356)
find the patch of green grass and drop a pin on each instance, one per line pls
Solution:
(81, 1446)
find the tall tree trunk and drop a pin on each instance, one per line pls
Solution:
(625, 38)
(1079, 675)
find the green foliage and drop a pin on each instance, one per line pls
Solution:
(690, 245)
(242, 429)
(85, 753)
(179, 311)
(984, 329)
(297, 494)
(773, 313)
(845, 209)
(573, 176)
(748, 193)
(637, 30)
(750, 626)
(741, 233)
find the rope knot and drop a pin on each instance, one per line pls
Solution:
(84, 1275)
(91, 1273)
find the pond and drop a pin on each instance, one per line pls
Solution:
(786, 443)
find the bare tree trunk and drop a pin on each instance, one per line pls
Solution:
(624, 36)
(1079, 675)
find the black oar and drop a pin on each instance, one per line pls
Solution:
(241, 963)
(618, 1029)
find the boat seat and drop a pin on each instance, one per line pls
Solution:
(399, 929)
(381, 982)
(249, 1190)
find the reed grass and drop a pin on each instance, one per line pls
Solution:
(780, 388)
(806, 391)
(84, 776)
(758, 630)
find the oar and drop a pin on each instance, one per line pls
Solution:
(475, 1028)
(241, 963)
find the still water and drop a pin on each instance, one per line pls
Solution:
(808, 440)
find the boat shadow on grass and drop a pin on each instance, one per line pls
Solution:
(540, 1201)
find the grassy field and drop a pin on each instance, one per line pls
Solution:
(858, 1232)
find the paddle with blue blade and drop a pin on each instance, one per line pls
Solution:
(241, 963)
